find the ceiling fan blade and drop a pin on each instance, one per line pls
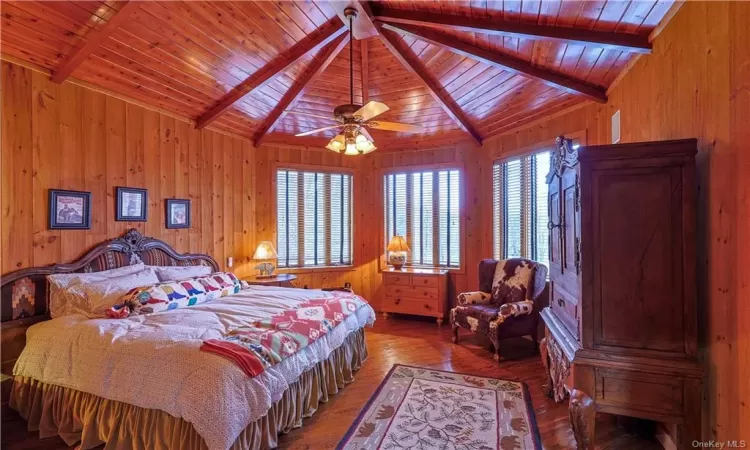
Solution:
(307, 133)
(319, 116)
(394, 126)
(370, 110)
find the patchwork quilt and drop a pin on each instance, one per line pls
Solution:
(264, 343)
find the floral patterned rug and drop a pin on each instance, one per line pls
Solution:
(423, 409)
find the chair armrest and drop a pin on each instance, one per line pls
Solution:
(474, 298)
(516, 309)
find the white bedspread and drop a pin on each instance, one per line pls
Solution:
(153, 361)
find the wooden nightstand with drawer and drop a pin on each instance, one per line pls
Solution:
(421, 292)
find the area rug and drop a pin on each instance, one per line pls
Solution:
(424, 409)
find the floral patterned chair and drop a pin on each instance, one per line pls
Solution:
(507, 304)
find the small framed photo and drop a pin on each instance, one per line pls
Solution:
(69, 210)
(178, 213)
(132, 204)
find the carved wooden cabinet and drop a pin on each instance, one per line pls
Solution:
(621, 328)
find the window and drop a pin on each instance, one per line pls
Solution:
(519, 208)
(313, 218)
(424, 207)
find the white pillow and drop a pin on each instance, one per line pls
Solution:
(102, 295)
(60, 305)
(180, 273)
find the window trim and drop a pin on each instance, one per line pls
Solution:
(383, 265)
(333, 170)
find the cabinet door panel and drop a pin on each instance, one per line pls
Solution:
(637, 278)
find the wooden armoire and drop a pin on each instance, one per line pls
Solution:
(622, 325)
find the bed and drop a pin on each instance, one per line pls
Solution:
(142, 381)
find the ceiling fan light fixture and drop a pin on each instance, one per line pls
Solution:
(337, 144)
(364, 145)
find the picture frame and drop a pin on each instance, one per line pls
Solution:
(131, 204)
(178, 213)
(69, 210)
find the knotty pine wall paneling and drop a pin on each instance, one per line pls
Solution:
(70, 137)
(695, 84)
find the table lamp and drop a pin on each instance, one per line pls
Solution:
(265, 252)
(397, 249)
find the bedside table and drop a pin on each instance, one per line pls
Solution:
(280, 280)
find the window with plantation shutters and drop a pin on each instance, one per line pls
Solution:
(313, 218)
(519, 209)
(424, 207)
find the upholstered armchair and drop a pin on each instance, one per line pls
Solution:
(507, 304)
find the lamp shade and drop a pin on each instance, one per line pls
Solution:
(265, 250)
(398, 244)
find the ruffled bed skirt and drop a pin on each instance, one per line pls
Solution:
(91, 420)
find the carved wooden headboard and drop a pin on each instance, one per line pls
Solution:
(23, 293)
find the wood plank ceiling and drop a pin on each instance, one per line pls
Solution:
(464, 70)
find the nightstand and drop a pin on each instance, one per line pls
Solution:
(422, 292)
(280, 280)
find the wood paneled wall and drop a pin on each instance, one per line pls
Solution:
(696, 84)
(69, 137)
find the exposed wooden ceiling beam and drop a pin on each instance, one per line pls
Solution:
(505, 62)
(618, 41)
(319, 38)
(321, 62)
(365, 71)
(91, 41)
(412, 63)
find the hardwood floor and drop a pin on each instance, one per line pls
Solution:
(417, 342)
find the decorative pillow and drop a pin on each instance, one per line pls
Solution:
(512, 281)
(179, 273)
(104, 294)
(175, 294)
(474, 298)
(60, 304)
(227, 281)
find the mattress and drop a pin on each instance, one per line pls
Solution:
(153, 360)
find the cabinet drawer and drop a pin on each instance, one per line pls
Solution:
(425, 281)
(401, 279)
(411, 292)
(639, 391)
(406, 305)
(565, 307)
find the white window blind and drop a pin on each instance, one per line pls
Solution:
(519, 209)
(425, 208)
(313, 218)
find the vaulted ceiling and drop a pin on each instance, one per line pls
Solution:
(464, 70)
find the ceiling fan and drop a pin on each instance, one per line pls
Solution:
(355, 119)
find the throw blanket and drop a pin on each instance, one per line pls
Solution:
(264, 343)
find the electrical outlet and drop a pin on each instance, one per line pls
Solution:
(230, 261)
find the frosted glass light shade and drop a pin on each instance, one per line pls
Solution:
(351, 147)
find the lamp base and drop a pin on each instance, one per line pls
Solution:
(266, 270)
(397, 259)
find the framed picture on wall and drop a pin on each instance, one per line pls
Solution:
(178, 213)
(132, 204)
(69, 210)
